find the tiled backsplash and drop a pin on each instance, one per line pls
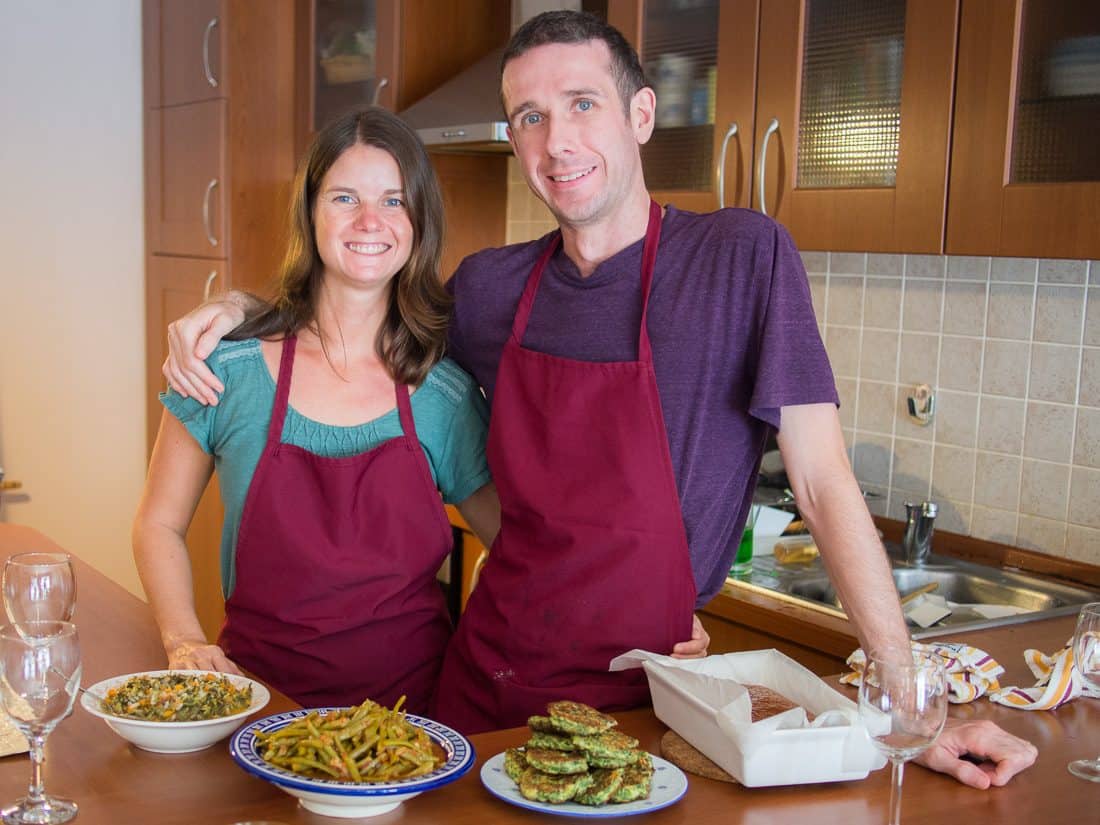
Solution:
(1011, 347)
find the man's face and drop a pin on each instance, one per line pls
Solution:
(578, 149)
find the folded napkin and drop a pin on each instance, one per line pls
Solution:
(970, 672)
(1059, 681)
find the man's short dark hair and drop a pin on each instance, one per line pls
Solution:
(574, 27)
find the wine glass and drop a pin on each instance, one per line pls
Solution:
(1086, 656)
(39, 675)
(39, 587)
(903, 703)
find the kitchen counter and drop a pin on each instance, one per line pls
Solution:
(115, 783)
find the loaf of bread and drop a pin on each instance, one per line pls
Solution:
(767, 702)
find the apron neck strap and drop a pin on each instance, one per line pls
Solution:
(404, 410)
(282, 391)
(649, 260)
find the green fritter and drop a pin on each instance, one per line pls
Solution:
(579, 718)
(557, 762)
(542, 724)
(604, 785)
(553, 741)
(515, 763)
(554, 788)
(618, 760)
(613, 744)
(637, 779)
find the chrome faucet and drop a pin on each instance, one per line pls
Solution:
(919, 523)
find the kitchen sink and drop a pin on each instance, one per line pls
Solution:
(982, 596)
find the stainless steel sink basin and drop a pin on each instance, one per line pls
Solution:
(971, 586)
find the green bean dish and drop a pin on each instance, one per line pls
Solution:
(177, 697)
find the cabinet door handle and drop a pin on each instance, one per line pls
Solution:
(381, 84)
(206, 211)
(730, 132)
(213, 81)
(773, 127)
(209, 283)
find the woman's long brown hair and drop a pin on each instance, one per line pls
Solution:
(413, 334)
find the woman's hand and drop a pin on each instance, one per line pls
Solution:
(192, 338)
(200, 655)
(697, 647)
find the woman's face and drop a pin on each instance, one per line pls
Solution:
(361, 223)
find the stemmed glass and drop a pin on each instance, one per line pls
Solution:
(39, 587)
(39, 676)
(1086, 656)
(903, 703)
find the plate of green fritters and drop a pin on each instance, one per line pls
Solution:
(575, 763)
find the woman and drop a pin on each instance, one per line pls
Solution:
(330, 475)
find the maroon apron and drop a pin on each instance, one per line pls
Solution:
(336, 599)
(592, 557)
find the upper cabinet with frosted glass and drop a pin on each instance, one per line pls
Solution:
(1025, 168)
(833, 116)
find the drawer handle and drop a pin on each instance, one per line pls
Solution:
(378, 87)
(206, 211)
(213, 81)
(209, 283)
(730, 132)
(773, 127)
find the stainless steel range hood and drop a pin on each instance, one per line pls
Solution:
(464, 114)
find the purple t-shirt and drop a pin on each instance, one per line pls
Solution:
(733, 334)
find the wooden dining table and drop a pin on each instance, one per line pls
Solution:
(117, 784)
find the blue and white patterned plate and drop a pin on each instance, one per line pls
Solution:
(669, 784)
(331, 797)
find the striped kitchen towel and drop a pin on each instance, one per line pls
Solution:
(970, 672)
(1059, 681)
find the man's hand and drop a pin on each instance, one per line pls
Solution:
(697, 647)
(190, 340)
(1002, 755)
(198, 655)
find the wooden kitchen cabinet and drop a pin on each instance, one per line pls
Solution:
(842, 113)
(187, 65)
(1025, 171)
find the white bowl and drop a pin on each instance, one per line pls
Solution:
(172, 737)
(330, 797)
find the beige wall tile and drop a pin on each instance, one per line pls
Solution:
(1004, 370)
(842, 345)
(1010, 311)
(1092, 312)
(1083, 544)
(1084, 497)
(968, 268)
(993, 525)
(954, 516)
(875, 409)
(964, 308)
(953, 473)
(922, 306)
(919, 359)
(1022, 270)
(1044, 489)
(1063, 272)
(925, 266)
(878, 355)
(1043, 535)
(1053, 373)
(846, 389)
(818, 293)
(912, 470)
(1048, 432)
(885, 266)
(815, 262)
(960, 363)
(1094, 272)
(845, 300)
(878, 502)
(1086, 443)
(997, 481)
(847, 263)
(956, 418)
(872, 455)
(882, 303)
(1001, 424)
(1059, 311)
(1089, 393)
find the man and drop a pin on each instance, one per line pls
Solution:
(635, 365)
